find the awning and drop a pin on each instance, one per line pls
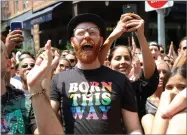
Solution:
(4, 25)
(21, 17)
(40, 16)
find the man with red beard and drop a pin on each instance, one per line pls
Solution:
(92, 98)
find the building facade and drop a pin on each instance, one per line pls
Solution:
(43, 20)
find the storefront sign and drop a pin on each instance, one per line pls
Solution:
(30, 23)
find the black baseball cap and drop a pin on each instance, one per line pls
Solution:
(86, 17)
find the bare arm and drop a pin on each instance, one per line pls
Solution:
(55, 105)
(118, 31)
(46, 119)
(177, 104)
(105, 48)
(131, 122)
(149, 64)
(147, 123)
(160, 125)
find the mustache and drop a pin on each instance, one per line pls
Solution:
(87, 42)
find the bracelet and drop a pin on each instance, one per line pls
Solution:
(38, 93)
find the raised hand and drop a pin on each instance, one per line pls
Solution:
(121, 26)
(135, 25)
(13, 39)
(136, 69)
(39, 77)
(56, 59)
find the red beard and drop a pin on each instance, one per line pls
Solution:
(83, 56)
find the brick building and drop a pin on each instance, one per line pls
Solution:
(44, 20)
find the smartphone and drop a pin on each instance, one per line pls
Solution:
(16, 26)
(129, 8)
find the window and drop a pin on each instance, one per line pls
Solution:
(25, 4)
(16, 6)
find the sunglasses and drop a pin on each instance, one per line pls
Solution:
(28, 64)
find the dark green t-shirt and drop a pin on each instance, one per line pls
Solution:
(17, 116)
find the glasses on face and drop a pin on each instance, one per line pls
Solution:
(80, 32)
(28, 64)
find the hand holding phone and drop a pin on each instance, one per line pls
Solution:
(16, 26)
(15, 37)
(130, 9)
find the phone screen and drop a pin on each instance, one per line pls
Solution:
(16, 26)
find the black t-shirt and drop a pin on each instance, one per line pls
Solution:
(144, 88)
(17, 116)
(101, 112)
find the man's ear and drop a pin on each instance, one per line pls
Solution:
(72, 43)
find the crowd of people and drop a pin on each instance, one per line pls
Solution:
(94, 89)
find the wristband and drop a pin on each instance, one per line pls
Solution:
(38, 93)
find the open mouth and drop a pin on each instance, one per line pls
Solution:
(87, 47)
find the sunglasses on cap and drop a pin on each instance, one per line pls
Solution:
(28, 64)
